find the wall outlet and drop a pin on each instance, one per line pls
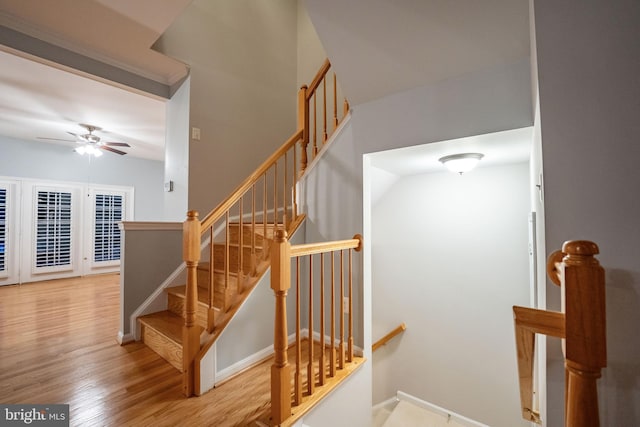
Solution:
(345, 305)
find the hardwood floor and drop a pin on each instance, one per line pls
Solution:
(57, 345)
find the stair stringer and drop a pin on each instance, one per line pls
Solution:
(254, 320)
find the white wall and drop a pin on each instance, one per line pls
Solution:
(29, 159)
(242, 59)
(176, 164)
(588, 72)
(450, 258)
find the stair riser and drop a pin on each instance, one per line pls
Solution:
(203, 279)
(219, 258)
(175, 304)
(167, 349)
(234, 234)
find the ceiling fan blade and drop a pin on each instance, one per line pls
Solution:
(73, 134)
(113, 150)
(116, 144)
(56, 139)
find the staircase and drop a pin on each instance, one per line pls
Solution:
(228, 252)
(162, 331)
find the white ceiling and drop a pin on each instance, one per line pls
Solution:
(42, 101)
(499, 148)
(381, 47)
(116, 32)
(378, 47)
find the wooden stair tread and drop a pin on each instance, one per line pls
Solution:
(167, 323)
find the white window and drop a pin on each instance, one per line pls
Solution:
(9, 227)
(106, 207)
(106, 241)
(3, 231)
(53, 231)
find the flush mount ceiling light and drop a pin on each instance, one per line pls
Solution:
(461, 163)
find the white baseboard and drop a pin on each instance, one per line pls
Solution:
(439, 410)
(249, 361)
(123, 339)
(388, 404)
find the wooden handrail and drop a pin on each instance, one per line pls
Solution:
(582, 325)
(324, 68)
(385, 339)
(224, 206)
(317, 248)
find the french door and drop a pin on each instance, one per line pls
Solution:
(52, 230)
(9, 226)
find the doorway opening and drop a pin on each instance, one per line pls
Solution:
(451, 254)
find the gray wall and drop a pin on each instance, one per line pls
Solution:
(310, 54)
(252, 328)
(30, 159)
(450, 258)
(143, 270)
(242, 57)
(588, 68)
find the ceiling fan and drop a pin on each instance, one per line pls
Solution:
(91, 143)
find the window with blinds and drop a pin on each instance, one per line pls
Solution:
(53, 229)
(3, 229)
(106, 242)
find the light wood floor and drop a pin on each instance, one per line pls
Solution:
(57, 345)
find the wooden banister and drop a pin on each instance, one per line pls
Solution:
(278, 193)
(319, 371)
(317, 129)
(392, 334)
(582, 325)
(317, 248)
(322, 72)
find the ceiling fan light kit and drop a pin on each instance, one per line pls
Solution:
(91, 143)
(88, 149)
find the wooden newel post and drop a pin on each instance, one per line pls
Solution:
(190, 331)
(303, 123)
(280, 370)
(583, 301)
